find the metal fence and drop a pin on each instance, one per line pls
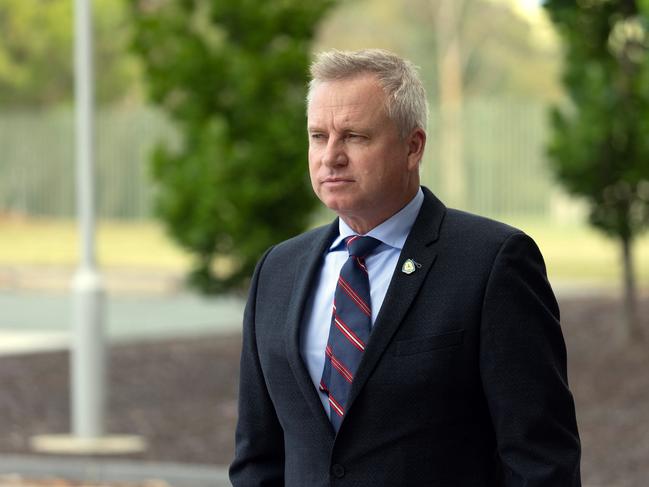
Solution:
(504, 156)
(37, 161)
(506, 166)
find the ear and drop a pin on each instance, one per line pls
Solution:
(416, 145)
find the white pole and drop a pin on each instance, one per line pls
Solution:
(88, 358)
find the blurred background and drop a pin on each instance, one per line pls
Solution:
(539, 118)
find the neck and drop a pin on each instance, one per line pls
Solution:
(362, 225)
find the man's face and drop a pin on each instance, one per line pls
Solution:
(359, 165)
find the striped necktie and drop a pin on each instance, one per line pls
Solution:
(350, 327)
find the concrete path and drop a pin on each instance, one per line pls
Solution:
(110, 471)
(33, 321)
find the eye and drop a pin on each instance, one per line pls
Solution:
(317, 136)
(353, 136)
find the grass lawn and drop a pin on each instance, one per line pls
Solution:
(119, 244)
(577, 252)
(572, 252)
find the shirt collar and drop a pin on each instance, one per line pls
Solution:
(393, 231)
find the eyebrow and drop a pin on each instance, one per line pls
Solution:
(343, 129)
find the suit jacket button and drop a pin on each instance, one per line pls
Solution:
(338, 470)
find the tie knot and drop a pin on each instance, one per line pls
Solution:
(360, 247)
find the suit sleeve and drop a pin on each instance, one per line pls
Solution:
(523, 369)
(259, 447)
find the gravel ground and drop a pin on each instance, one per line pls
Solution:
(181, 396)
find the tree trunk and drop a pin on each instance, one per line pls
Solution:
(450, 98)
(633, 326)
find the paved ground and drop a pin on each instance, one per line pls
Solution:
(34, 320)
(63, 472)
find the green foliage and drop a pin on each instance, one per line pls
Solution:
(36, 52)
(232, 75)
(600, 146)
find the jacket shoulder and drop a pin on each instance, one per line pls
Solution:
(465, 226)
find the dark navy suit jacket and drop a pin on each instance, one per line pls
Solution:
(462, 384)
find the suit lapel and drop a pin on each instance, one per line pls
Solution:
(403, 287)
(307, 265)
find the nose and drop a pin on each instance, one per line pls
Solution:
(334, 154)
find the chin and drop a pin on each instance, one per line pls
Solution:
(334, 203)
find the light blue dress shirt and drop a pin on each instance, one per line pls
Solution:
(380, 267)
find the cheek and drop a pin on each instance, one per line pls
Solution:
(313, 173)
(313, 178)
(312, 161)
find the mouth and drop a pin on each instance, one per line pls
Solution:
(336, 181)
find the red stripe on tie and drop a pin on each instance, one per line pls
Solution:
(323, 387)
(361, 264)
(354, 297)
(337, 408)
(350, 335)
(344, 371)
(351, 239)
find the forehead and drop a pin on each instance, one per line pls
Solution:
(356, 99)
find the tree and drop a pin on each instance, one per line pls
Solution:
(600, 147)
(36, 52)
(449, 17)
(232, 76)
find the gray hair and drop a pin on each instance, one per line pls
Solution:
(405, 94)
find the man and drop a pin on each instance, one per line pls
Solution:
(431, 356)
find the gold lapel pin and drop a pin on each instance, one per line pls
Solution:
(409, 267)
